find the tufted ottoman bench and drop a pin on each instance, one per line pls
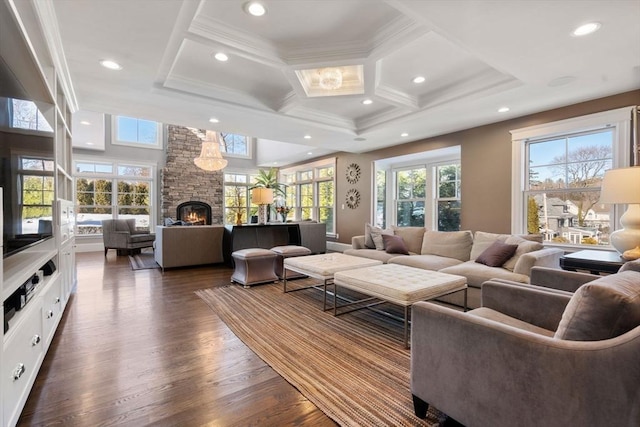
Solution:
(288, 251)
(254, 266)
(398, 284)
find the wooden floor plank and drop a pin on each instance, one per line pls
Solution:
(140, 348)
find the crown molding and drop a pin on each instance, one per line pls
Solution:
(332, 120)
(396, 97)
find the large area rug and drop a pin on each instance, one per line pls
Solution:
(353, 367)
(143, 261)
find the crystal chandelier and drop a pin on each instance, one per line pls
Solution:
(210, 158)
(330, 78)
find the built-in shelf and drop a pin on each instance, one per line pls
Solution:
(19, 268)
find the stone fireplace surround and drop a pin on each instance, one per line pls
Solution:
(182, 181)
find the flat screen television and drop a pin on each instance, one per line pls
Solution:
(27, 165)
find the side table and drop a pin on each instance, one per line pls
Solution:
(595, 262)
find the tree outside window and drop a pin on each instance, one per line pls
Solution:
(563, 183)
(231, 143)
(410, 197)
(111, 190)
(448, 197)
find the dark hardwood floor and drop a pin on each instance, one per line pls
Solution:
(139, 348)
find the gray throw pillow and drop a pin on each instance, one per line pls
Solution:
(368, 239)
(602, 309)
(496, 254)
(376, 236)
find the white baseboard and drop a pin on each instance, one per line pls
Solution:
(89, 247)
(337, 247)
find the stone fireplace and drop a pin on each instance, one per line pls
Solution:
(193, 212)
(182, 182)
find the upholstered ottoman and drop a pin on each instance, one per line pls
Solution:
(254, 266)
(288, 251)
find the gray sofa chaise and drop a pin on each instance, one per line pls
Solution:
(456, 252)
(549, 357)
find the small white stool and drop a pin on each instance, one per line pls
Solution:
(288, 251)
(254, 266)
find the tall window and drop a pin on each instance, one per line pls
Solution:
(113, 190)
(235, 145)
(565, 163)
(311, 192)
(410, 197)
(419, 190)
(381, 198)
(448, 197)
(237, 207)
(36, 194)
(136, 132)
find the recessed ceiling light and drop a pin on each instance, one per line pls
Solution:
(418, 79)
(503, 109)
(275, 163)
(310, 153)
(84, 122)
(255, 8)
(221, 57)
(89, 143)
(112, 65)
(367, 102)
(403, 134)
(214, 120)
(307, 137)
(585, 29)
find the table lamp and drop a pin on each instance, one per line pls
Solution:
(623, 186)
(262, 197)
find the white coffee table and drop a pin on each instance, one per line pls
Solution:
(323, 267)
(397, 284)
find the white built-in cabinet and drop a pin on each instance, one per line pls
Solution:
(31, 330)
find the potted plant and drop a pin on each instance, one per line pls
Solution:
(269, 179)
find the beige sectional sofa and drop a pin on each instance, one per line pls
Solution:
(456, 252)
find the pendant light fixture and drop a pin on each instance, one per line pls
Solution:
(210, 158)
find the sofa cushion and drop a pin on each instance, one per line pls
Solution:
(477, 274)
(425, 262)
(482, 240)
(373, 254)
(394, 245)
(412, 237)
(496, 254)
(602, 309)
(487, 313)
(524, 246)
(368, 237)
(376, 236)
(451, 244)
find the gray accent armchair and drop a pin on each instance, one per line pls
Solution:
(121, 234)
(533, 356)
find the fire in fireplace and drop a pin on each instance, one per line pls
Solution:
(196, 213)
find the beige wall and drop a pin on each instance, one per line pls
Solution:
(486, 168)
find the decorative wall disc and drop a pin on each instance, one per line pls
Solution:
(353, 198)
(353, 173)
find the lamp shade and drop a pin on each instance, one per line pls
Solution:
(210, 158)
(621, 186)
(262, 196)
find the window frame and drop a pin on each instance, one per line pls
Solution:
(248, 141)
(115, 177)
(618, 119)
(431, 161)
(157, 145)
(250, 182)
(309, 174)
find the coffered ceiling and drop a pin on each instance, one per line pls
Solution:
(476, 56)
